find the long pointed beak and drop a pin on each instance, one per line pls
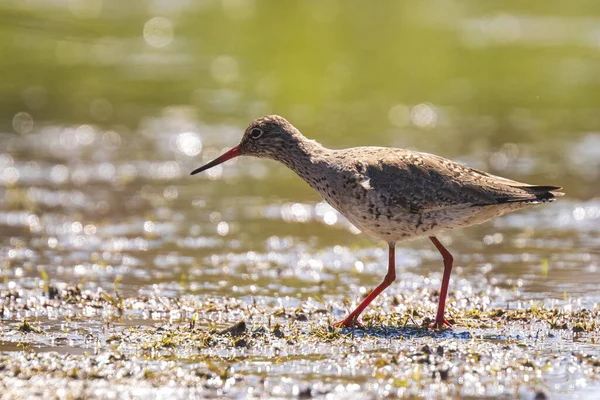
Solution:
(226, 156)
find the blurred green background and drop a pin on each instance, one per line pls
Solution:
(348, 72)
(510, 87)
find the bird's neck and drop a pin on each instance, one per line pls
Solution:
(304, 157)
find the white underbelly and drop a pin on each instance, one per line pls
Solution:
(404, 225)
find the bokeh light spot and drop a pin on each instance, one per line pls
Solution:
(59, 173)
(423, 116)
(189, 143)
(222, 228)
(10, 176)
(22, 122)
(149, 226)
(158, 32)
(171, 192)
(85, 135)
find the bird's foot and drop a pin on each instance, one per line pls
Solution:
(440, 323)
(348, 322)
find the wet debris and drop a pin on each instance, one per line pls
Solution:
(277, 331)
(151, 340)
(53, 293)
(26, 327)
(300, 315)
(440, 351)
(305, 393)
(237, 329)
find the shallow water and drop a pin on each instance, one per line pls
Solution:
(103, 121)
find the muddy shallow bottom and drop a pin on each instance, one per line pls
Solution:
(90, 343)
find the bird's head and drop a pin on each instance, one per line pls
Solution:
(267, 137)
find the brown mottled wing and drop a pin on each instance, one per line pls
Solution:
(422, 182)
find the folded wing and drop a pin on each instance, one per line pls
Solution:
(424, 182)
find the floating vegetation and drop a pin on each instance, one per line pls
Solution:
(236, 329)
(26, 327)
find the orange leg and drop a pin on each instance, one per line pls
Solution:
(440, 321)
(352, 318)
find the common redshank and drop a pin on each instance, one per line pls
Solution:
(392, 194)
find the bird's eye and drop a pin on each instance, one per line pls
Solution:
(256, 133)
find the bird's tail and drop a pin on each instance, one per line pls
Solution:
(543, 193)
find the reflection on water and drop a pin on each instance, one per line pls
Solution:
(102, 210)
(107, 107)
(90, 205)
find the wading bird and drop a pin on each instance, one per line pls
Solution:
(392, 194)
